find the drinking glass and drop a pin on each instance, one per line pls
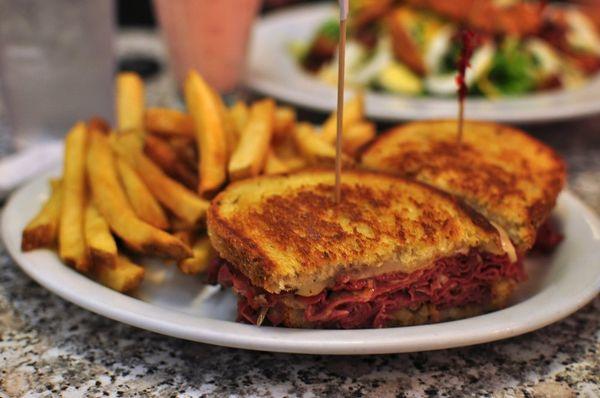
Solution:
(209, 36)
(56, 65)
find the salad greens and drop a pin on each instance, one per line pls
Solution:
(513, 69)
(411, 47)
(448, 62)
(330, 29)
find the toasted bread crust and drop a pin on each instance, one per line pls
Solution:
(286, 232)
(426, 314)
(503, 173)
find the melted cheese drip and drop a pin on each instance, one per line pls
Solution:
(506, 243)
(310, 287)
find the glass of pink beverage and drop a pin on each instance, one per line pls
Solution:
(209, 36)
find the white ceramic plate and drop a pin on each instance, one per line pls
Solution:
(180, 306)
(273, 71)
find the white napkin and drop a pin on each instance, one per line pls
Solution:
(20, 167)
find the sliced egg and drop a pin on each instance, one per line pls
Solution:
(437, 47)
(572, 77)
(582, 33)
(355, 55)
(369, 70)
(441, 84)
(398, 78)
(329, 73)
(548, 59)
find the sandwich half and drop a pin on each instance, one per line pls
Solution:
(506, 175)
(392, 252)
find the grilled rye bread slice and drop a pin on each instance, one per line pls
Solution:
(503, 173)
(287, 234)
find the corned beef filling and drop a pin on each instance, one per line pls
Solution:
(371, 302)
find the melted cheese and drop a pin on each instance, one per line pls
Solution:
(506, 243)
(310, 287)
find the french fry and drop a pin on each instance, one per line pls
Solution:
(71, 243)
(42, 230)
(274, 165)
(101, 245)
(98, 123)
(314, 149)
(185, 204)
(210, 134)
(232, 134)
(286, 148)
(169, 122)
(159, 151)
(239, 113)
(112, 203)
(145, 206)
(294, 163)
(130, 102)
(357, 136)
(126, 143)
(186, 152)
(250, 155)
(182, 202)
(353, 113)
(123, 277)
(286, 152)
(199, 262)
(186, 235)
(178, 225)
(285, 121)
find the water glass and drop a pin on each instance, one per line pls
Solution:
(57, 63)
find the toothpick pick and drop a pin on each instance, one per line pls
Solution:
(461, 119)
(468, 43)
(340, 99)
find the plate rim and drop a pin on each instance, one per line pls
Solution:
(169, 322)
(308, 100)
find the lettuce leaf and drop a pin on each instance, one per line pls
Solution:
(513, 69)
(330, 29)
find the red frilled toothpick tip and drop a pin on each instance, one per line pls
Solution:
(468, 41)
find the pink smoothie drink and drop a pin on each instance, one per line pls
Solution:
(209, 36)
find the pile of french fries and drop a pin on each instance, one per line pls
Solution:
(143, 188)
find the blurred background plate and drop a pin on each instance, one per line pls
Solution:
(273, 71)
(173, 304)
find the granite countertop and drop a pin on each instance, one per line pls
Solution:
(49, 347)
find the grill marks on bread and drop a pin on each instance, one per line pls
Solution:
(508, 176)
(285, 231)
(310, 224)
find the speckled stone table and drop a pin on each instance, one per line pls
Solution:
(49, 347)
